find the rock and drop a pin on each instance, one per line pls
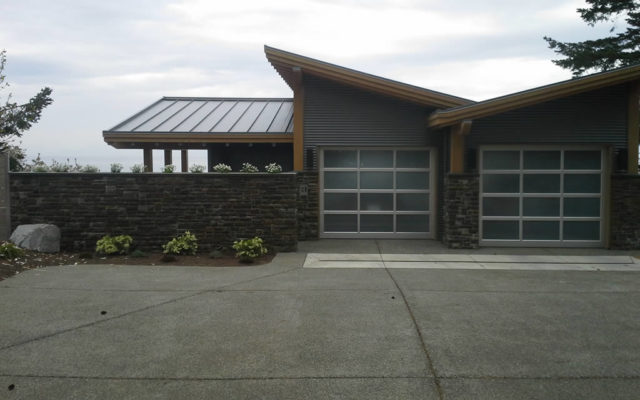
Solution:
(44, 238)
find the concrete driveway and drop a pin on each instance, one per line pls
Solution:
(283, 332)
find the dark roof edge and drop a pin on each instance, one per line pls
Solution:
(542, 93)
(268, 49)
(174, 98)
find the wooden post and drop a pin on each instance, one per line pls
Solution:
(184, 160)
(148, 159)
(168, 159)
(298, 121)
(633, 124)
(456, 146)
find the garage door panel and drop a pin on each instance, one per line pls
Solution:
(541, 196)
(374, 192)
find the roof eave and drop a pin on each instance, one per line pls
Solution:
(502, 104)
(284, 61)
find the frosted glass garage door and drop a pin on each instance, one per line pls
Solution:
(376, 192)
(541, 196)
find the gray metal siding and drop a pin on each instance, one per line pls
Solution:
(599, 116)
(339, 115)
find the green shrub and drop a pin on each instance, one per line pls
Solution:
(137, 168)
(109, 245)
(222, 168)
(116, 168)
(196, 169)
(249, 249)
(168, 169)
(60, 167)
(89, 169)
(187, 243)
(10, 251)
(273, 168)
(248, 168)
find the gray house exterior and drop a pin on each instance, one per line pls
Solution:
(534, 168)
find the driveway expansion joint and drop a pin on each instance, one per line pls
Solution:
(431, 368)
(205, 379)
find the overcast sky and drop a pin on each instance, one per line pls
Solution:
(106, 60)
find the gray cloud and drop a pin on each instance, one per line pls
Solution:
(106, 60)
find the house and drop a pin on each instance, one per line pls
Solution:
(534, 168)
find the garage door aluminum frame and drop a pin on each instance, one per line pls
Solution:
(560, 195)
(429, 191)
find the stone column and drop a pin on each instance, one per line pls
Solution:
(5, 206)
(461, 211)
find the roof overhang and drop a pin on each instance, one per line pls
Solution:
(187, 140)
(443, 118)
(291, 66)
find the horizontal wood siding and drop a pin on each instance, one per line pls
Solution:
(599, 116)
(339, 115)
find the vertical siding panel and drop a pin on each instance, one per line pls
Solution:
(339, 115)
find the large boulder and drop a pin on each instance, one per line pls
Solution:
(39, 237)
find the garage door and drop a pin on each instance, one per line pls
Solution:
(541, 196)
(374, 192)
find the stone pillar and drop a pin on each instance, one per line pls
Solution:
(168, 158)
(5, 206)
(148, 160)
(184, 160)
(461, 211)
(625, 212)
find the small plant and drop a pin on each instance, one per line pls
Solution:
(37, 165)
(222, 168)
(116, 168)
(89, 169)
(196, 169)
(248, 168)
(10, 251)
(109, 245)
(168, 169)
(273, 168)
(249, 249)
(187, 243)
(60, 167)
(137, 168)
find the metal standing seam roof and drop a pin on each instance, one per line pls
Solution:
(212, 115)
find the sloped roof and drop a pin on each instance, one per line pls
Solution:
(529, 97)
(211, 115)
(287, 63)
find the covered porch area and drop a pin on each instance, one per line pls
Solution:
(231, 130)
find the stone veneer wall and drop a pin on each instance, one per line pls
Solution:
(461, 211)
(308, 205)
(153, 208)
(625, 212)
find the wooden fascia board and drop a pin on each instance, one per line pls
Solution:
(112, 138)
(633, 127)
(364, 81)
(446, 118)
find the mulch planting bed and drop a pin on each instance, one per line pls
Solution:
(33, 259)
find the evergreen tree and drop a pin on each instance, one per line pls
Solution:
(17, 118)
(618, 50)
